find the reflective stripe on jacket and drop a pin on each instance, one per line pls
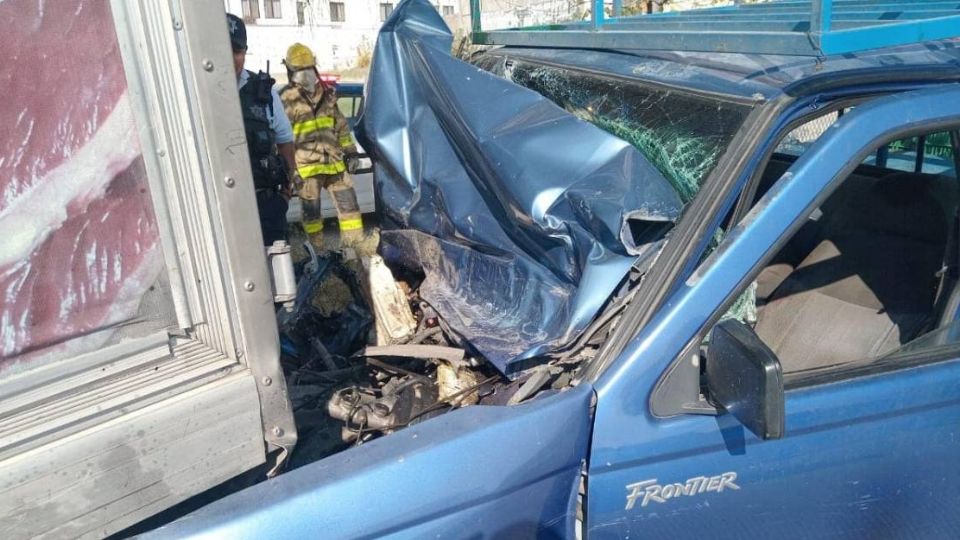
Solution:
(320, 132)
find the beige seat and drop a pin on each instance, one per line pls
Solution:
(860, 280)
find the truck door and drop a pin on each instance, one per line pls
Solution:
(138, 358)
(847, 264)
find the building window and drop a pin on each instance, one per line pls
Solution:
(337, 12)
(301, 12)
(271, 9)
(447, 11)
(385, 10)
(251, 10)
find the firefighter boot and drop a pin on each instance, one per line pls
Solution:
(312, 217)
(348, 210)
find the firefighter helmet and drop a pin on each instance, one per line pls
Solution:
(299, 56)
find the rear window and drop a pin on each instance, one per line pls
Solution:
(681, 134)
(929, 154)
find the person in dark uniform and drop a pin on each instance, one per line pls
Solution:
(269, 137)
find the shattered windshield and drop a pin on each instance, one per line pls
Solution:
(681, 134)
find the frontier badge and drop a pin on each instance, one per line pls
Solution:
(650, 491)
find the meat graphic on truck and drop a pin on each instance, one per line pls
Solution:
(80, 246)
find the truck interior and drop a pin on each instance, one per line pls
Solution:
(873, 267)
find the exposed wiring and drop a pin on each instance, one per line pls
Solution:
(388, 367)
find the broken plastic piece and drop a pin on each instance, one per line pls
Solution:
(452, 355)
(539, 376)
(391, 311)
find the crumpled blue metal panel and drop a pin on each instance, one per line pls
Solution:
(523, 217)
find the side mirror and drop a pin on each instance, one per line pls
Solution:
(744, 377)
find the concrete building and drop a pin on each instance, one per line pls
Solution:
(514, 13)
(340, 32)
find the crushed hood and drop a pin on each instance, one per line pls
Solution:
(523, 218)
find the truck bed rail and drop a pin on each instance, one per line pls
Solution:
(788, 27)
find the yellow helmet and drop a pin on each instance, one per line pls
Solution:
(299, 56)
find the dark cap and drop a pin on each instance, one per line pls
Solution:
(238, 32)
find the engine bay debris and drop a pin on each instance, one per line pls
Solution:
(346, 389)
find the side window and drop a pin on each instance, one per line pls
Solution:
(347, 106)
(872, 271)
(931, 154)
(797, 141)
(936, 154)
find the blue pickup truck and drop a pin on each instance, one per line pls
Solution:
(779, 356)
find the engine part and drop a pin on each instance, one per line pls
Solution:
(401, 401)
(281, 276)
(455, 381)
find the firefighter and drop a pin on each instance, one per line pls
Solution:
(269, 138)
(324, 148)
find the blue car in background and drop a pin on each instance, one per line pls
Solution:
(787, 362)
(350, 100)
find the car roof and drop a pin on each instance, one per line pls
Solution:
(755, 76)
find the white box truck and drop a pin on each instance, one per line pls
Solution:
(139, 359)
